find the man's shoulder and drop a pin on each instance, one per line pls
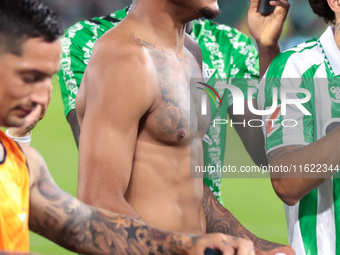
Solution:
(119, 43)
(300, 58)
(120, 64)
(34, 161)
(119, 51)
(303, 49)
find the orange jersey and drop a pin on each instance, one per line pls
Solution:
(14, 198)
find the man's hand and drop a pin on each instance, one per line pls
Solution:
(225, 244)
(267, 29)
(32, 119)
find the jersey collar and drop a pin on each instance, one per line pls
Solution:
(331, 49)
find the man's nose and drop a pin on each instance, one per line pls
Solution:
(42, 92)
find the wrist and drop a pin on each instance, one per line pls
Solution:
(16, 137)
(275, 47)
(13, 132)
(182, 243)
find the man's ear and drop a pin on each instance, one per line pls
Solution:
(335, 6)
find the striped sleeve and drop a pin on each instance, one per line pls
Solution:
(286, 124)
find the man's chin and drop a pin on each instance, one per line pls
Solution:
(210, 13)
(15, 122)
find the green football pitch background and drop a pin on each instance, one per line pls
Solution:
(252, 201)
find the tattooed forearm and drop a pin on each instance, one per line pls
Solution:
(219, 219)
(87, 230)
(92, 231)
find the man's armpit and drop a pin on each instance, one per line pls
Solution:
(282, 151)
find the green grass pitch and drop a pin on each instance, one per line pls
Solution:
(252, 201)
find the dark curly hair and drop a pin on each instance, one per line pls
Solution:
(322, 9)
(24, 19)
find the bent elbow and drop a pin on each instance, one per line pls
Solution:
(289, 200)
(284, 192)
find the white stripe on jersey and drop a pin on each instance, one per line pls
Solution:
(324, 112)
(325, 227)
(289, 134)
(293, 227)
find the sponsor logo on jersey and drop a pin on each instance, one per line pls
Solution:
(23, 216)
(207, 72)
(272, 124)
(335, 94)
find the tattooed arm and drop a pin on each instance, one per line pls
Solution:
(219, 219)
(324, 152)
(76, 226)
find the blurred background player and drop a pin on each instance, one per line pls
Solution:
(312, 194)
(29, 57)
(227, 54)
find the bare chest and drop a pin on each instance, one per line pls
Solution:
(176, 117)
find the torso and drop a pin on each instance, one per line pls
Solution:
(308, 61)
(14, 193)
(161, 189)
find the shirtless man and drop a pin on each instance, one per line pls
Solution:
(138, 137)
(30, 199)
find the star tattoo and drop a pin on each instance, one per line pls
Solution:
(160, 248)
(131, 232)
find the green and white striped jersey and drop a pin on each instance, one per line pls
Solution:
(227, 54)
(314, 222)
